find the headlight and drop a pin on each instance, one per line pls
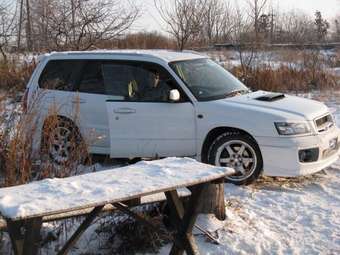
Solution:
(292, 128)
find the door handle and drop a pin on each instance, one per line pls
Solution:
(78, 101)
(124, 111)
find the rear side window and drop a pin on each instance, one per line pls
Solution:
(60, 74)
(92, 79)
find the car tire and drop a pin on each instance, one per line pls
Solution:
(238, 151)
(61, 141)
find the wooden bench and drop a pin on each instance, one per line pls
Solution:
(24, 207)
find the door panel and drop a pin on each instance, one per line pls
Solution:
(141, 129)
(90, 99)
(93, 119)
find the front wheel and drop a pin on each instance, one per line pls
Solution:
(240, 152)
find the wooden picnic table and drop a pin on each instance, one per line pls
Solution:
(24, 207)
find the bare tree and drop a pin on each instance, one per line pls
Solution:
(322, 26)
(182, 17)
(256, 8)
(76, 24)
(337, 29)
(7, 26)
(245, 45)
(295, 27)
(216, 24)
(227, 23)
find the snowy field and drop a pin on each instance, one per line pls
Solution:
(283, 216)
(272, 216)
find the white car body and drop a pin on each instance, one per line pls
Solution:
(143, 129)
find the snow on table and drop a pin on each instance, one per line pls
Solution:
(54, 196)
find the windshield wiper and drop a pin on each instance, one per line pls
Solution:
(237, 92)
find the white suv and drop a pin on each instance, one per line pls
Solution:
(163, 103)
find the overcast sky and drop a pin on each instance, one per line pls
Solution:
(150, 19)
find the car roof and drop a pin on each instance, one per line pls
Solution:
(160, 55)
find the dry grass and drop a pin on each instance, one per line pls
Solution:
(299, 71)
(131, 236)
(14, 74)
(285, 79)
(16, 132)
(19, 161)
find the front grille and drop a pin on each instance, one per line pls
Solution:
(324, 123)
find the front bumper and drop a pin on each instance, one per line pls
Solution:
(281, 154)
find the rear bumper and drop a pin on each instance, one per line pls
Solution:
(281, 154)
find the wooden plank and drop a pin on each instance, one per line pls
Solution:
(184, 240)
(213, 201)
(25, 236)
(32, 236)
(81, 229)
(143, 182)
(16, 235)
(174, 201)
(155, 198)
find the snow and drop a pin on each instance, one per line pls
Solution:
(282, 215)
(298, 216)
(51, 196)
(165, 55)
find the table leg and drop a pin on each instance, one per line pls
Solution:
(25, 236)
(80, 230)
(185, 220)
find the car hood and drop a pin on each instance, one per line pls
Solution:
(269, 101)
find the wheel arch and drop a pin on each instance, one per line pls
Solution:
(60, 117)
(216, 132)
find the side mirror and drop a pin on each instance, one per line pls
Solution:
(174, 95)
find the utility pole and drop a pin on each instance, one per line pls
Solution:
(272, 26)
(73, 21)
(29, 27)
(20, 23)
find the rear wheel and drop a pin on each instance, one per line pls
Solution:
(240, 152)
(62, 141)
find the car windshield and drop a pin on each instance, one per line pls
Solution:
(208, 80)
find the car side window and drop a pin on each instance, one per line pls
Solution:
(91, 80)
(138, 82)
(58, 75)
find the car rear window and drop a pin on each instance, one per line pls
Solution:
(60, 74)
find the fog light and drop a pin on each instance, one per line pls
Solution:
(309, 155)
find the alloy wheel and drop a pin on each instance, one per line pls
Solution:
(238, 155)
(62, 144)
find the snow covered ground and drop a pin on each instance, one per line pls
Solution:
(299, 216)
(273, 216)
(283, 216)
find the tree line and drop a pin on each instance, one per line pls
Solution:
(46, 25)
